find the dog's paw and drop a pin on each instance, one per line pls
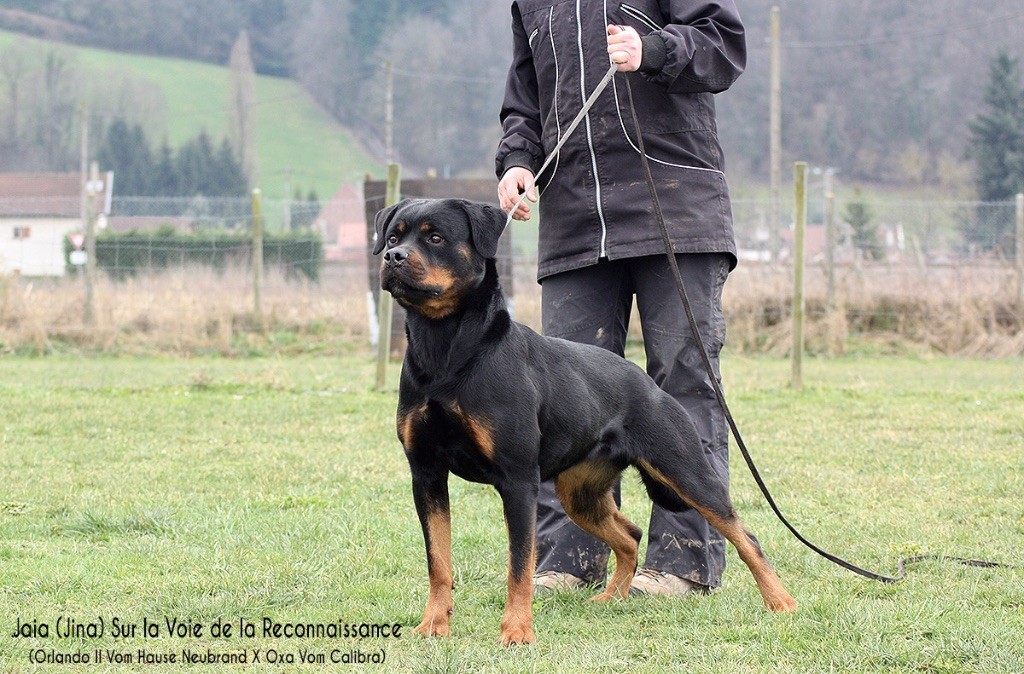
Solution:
(433, 626)
(512, 635)
(604, 597)
(780, 603)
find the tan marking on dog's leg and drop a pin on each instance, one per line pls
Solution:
(775, 596)
(587, 485)
(438, 612)
(517, 622)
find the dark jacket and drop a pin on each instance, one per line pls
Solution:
(595, 201)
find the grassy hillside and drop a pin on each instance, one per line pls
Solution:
(293, 132)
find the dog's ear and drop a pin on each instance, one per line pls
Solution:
(380, 225)
(486, 223)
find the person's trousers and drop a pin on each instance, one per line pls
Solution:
(592, 305)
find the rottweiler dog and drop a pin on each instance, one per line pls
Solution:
(492, 401)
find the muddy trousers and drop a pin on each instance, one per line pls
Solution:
(592, 305)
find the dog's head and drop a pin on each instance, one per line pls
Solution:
(435, 251)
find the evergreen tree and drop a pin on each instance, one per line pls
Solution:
(229, 176)
(997, 133)
(864, 232)
(997, 143)
(165, 179)
(125, 151)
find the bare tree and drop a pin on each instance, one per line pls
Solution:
(14, 72)
(323, 57)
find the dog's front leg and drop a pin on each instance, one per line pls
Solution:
(430, 493)
(519, 499)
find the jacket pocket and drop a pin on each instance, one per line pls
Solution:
(663, 112)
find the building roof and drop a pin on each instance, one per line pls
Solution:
(41, 194)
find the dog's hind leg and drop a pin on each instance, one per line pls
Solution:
(699, 488)
(585, 491)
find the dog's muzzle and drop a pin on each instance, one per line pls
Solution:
(396, 257)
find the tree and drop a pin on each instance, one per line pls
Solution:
(997, 133)
(323, 55)
(859, 217)
(14, 72)
(997, 144)
(165, 179)
(230, 178)
(242, 106)
(125, 151)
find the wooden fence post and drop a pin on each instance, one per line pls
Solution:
(257, 256)
(1020, 254)
(830, 249)
(799, 232)
(385, 308)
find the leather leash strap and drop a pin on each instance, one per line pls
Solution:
(587, 105)
(670, 253)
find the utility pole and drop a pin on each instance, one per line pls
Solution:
(389, 113)
(775, 141)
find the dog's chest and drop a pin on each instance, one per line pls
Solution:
(445, 432)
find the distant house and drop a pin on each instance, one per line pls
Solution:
(37, 213)
(342, 223)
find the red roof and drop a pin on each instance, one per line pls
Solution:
(40, 194)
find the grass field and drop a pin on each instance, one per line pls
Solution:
(201, 489)
(293, 132)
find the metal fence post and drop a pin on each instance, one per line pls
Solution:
(800, 228)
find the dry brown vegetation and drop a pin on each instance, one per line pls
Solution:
(967, 311)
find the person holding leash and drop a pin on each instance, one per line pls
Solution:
(599, 242)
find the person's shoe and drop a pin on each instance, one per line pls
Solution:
(661, 584)
(555, 581)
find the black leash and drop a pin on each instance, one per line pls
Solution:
(670, 253)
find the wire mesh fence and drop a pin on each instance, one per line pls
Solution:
(177, 274)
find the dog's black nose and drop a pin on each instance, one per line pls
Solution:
(396, 256)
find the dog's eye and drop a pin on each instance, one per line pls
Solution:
(392, 240)
(435, 238)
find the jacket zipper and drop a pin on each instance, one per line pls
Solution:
(532, 36)
(639, 16)
(590, 136)
(554, 55)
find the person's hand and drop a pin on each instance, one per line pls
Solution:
(624, 48)
(511, 186)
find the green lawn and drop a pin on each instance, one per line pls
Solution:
(293, 132)
(206, 489)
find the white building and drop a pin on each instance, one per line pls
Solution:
(38, 211)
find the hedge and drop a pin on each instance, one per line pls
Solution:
(299, 254)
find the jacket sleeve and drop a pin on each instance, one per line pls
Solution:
(520, 111)
(702, 48)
